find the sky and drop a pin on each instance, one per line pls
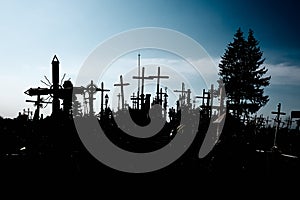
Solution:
(32, 32)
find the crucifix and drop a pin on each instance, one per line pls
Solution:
(54, 88)
(102, 90)
(277, 119)
(121, 84)
(158, 77)
(143, 78)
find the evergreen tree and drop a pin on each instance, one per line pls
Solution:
(243, 75)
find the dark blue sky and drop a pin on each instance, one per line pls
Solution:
(33, 31)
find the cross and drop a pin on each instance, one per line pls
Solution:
(159, 100)
(91, 90)
(134, 100)
(143, 78)
(121, 84)
(165, 100)
(102, 96)
(278, 113)
(183, 91)
(55, 90)
(38, 104)
(205, 95)
(207, 108)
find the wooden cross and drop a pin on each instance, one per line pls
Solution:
(205, 95)
(143, 78)
(102, 90)
(278, 113)
(121, 84)
(158, 77)
(183, 91)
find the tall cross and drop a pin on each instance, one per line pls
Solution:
(121, 84)
(102, 96)
(158, 76)
(143, 78)
(55, 89)
(278, 113)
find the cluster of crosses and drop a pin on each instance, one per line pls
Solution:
(67, 92)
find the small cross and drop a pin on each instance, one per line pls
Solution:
(102, 90)
(278, 113)
(158, 76)
(121, 84)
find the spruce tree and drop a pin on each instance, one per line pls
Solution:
(243, 75)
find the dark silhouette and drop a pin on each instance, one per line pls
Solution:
(243, 76)
(50, 146)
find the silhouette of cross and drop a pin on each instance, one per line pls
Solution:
(121, 84)
(143, 78)
(102, 90)
(278, 113)
(158, 76)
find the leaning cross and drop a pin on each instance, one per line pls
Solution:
(121, 84)
(278, 113)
